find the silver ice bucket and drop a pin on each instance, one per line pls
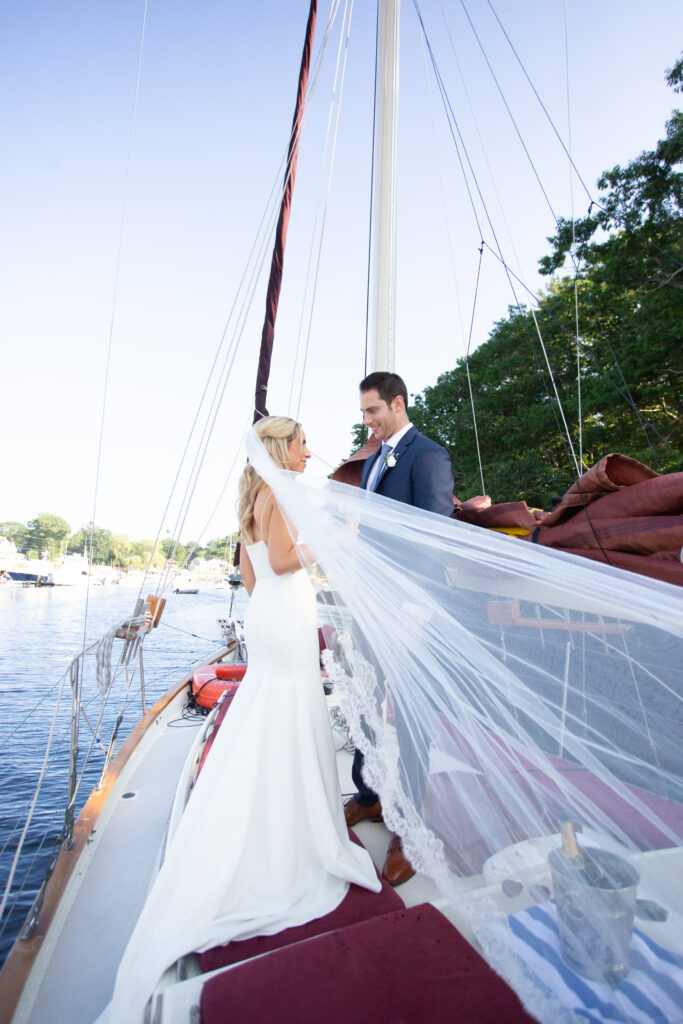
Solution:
(595, 912)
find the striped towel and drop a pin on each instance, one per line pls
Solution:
(651, 992)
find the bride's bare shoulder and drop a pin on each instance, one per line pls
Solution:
(262, 496)
(263, 510)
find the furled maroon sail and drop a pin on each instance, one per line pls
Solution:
(275, 280)
(620, 512)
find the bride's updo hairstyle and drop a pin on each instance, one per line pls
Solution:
(276, 433)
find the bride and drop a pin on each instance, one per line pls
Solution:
(267, 805)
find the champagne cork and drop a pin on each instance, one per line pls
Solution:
(570, 847)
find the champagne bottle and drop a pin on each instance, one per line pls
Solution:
(570, 847)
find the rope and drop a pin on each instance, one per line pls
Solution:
(307, 277)
(454, 127)
(475, 120)
(574, 262)
(446, 218)
(259, 249)
(327, 196)
(467, 368)
(32, 808)
(371, 213)
(510, 114)
(186, 632)
(330, 21)
(541, 103)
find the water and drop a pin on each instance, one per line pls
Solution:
(41, 630)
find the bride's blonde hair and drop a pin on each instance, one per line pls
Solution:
(276, 433)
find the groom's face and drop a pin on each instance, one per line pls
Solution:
(382, 418)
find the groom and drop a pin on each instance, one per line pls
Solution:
(410, 468)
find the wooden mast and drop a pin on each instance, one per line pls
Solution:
(382, 298)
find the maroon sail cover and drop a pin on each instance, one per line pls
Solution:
(619, 512)
(277, 262)
(351, 470)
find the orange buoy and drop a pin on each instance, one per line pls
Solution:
(209, 682)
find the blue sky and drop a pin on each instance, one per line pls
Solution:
(214, 106)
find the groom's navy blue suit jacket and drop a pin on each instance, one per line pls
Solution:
(421, 477)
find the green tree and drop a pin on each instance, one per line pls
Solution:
(173, 550)
(16, 532)
(359, 436)
(79, 543)
(121, 549)
(221, 548)
(47, 532)
(628, 272)
(194, 550)
(629, 254)
(140, 553)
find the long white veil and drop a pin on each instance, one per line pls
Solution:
(499, 690)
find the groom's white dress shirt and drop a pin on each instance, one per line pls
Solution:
(387, 446)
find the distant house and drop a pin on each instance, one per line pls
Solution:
(8, 553)
(208, 566)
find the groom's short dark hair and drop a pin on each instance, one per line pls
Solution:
(388, 386)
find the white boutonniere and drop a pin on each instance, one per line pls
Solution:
(390, 460)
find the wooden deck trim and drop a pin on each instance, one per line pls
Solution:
(22, 956)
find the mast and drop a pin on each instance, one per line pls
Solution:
(382, 339)
(277, 262)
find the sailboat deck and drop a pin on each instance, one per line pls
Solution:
(74, 972)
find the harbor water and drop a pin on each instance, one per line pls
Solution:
(41, 631)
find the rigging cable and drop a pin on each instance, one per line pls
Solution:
(331, 19)
(574, 261)
(335, 97)
(452, 255)
(593, 202)
(279, 246)
(363, 435)
(257, 257)
(475, 120)
(453, 124)
(443, 189)
(41, 776)
(117, 271)
(542, 105)
(510, 114)
(623, 391)
(327, 196)
(467, 367)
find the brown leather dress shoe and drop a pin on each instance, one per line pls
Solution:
(397, 868)
(355, 812)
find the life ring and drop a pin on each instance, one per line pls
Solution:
(209, 682)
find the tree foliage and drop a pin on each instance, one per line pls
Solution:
(14, 531)
(46, 533)
(626, 269)
(49, 533)
(102, 552)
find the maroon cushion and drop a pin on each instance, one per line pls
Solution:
(358, 905)
(410, 966)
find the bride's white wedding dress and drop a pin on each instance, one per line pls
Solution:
(266, 809)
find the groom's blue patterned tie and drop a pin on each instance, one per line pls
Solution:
(380, 466)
